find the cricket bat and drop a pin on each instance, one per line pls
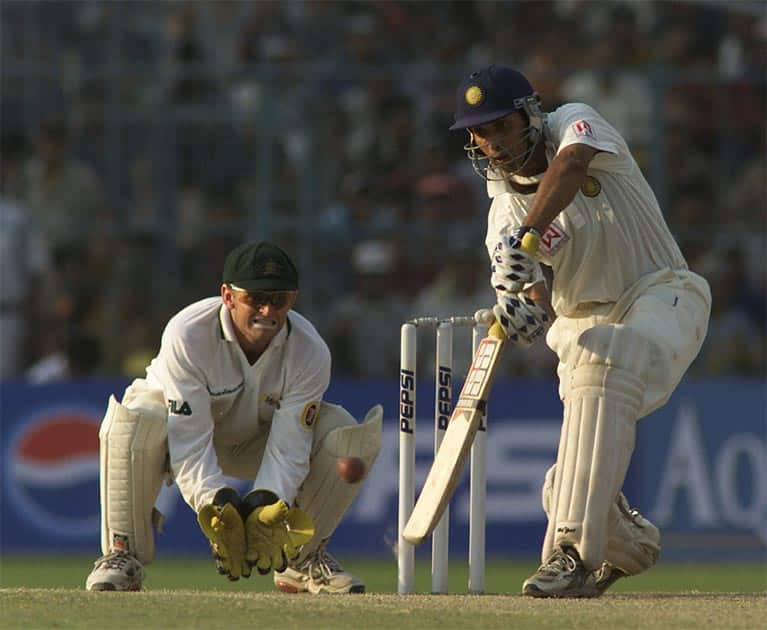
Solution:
(464, 421)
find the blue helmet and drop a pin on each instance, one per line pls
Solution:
(491, 93)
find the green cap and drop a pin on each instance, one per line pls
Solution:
(260, 266)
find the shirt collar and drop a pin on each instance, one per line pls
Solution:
(226, 328)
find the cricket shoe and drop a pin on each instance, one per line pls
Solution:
(116, 571)
(318, 573)
(563, 575)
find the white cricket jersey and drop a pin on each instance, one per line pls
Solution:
(211, 389)
(611, 235)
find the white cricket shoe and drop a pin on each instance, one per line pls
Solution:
(318, 573)
(562, 576)
(116, 571)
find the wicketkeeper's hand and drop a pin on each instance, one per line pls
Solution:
(514, 263)
(275, 532)
(222, 524)
(523, 321)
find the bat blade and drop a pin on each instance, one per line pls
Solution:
(450, 459)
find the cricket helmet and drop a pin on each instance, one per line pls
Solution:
(492, 93)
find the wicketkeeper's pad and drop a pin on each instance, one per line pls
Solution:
(324, 495)
(133, 451)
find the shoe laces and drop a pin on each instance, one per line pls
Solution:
(116, 560)
(321, 566)
(560, 562)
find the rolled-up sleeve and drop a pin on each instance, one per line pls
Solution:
(193, 459)
(285, 464)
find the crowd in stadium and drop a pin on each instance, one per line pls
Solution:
(100, 247)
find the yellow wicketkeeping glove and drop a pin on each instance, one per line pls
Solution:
(274, 532)
(222, 524)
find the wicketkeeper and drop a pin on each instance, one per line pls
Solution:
(630, 316)
(236, 392)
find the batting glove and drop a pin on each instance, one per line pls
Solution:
(523, 321)
(275, 532)
(223, 526)
(514, 263)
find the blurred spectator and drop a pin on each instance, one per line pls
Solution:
(65, 196)
(735, 343)
(460, 288)
(221, 223)
(78, 357)
(363, 326)
(187, 56)
(325, 124)
(141, 343)
(622, 96)
(442, 222)
(23, 265)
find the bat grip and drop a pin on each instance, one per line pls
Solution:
(496, 331)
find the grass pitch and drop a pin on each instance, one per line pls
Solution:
(40, 592)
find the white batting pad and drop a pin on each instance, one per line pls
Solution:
(633, 542)
(323, 494)
(133, 451)
(602, 404)
(603, 409)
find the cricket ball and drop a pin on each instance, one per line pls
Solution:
(350, 469)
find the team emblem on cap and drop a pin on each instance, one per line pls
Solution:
(270, 268)
(591, 186)
(474, 95)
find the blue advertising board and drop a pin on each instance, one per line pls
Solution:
(699, 470)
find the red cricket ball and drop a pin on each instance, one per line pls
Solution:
(350, 469)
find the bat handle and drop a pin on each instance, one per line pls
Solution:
(496, 331)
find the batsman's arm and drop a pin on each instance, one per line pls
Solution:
(559, 185)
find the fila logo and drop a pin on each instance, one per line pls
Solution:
(179, 410)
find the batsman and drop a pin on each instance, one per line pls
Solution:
(628, 315)
(235, 393)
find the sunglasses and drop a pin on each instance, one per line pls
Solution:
(257, 299)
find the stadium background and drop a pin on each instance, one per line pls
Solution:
(142, 140)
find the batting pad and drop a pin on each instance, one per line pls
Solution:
(323, 494)
(133, 451)
(603, 408)
(633, 542)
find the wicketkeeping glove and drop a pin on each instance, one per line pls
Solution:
(522, 320)
(514, 263)
(222, 524)
(275, 532)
